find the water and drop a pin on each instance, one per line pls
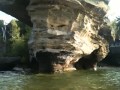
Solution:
(103, 79)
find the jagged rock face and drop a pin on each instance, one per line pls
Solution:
(65, 33)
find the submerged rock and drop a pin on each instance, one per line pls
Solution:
(8, 63)
(65, 34)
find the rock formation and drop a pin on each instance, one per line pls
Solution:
(8, 63)
(65, 34)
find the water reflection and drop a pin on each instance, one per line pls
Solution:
(103, 79)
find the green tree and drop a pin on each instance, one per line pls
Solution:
(115, 26)
(118, 27)
(15, 31)
(18, 42)
(114, 30)
(1, 23)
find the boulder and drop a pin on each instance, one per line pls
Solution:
(65, 32)
(7, 63)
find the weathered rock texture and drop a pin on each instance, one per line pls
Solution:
(65, 34)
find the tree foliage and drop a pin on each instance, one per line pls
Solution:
(115, 26)
(118, 27)
(1, 25)
(15, 31)
(17, 43)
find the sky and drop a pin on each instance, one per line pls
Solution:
(114, 12)
(114, 9)
(7, 18)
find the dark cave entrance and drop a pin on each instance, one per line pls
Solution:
(87, 61)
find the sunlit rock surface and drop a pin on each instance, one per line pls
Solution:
(65, 34)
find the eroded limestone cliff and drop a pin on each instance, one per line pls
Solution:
(65, 34)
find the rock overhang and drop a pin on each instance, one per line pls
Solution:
(66, 30)
(63, 30)
(17, 9)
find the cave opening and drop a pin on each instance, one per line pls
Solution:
(45, 61)
(88, 61)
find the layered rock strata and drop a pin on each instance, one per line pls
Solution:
(65, 34)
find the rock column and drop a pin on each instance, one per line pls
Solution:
(64, 32)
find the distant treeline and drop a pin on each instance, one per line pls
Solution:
(14, 38)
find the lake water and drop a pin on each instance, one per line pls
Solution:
(106, 78)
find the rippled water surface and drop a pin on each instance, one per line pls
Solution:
(103, 79)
